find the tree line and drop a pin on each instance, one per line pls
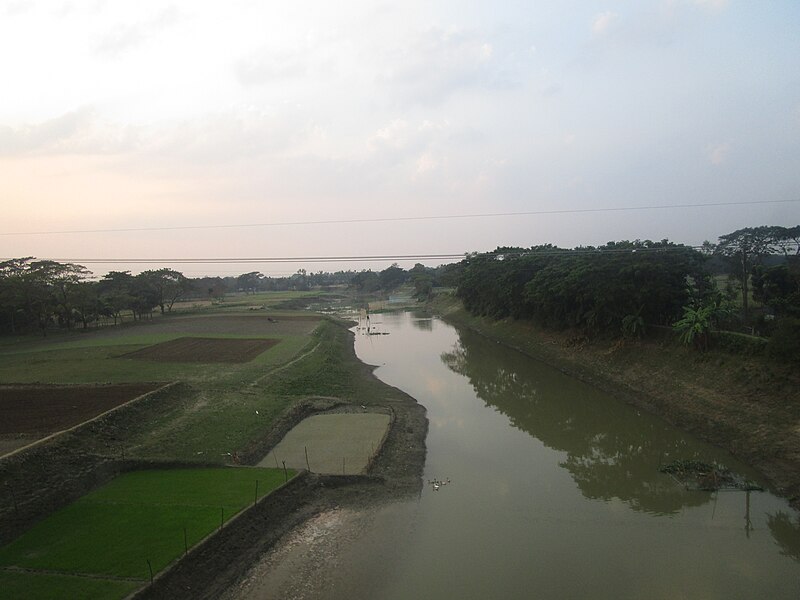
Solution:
(44, 294)
(39, 294)
(622, 287)
(590, 288)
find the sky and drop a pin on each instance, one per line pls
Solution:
(330, 129)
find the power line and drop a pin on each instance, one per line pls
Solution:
(402, 219)
(267, 259)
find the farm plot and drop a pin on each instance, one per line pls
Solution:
(205, 350)
(141, 520)
(232, 324)
(49, 408)
(338, 444)
(29, 412)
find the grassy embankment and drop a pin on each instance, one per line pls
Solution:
(747, 405)
(100, 546)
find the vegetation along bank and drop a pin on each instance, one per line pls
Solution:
(707, 337)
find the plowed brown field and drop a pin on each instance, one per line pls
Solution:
(205, 350)
(44, 409)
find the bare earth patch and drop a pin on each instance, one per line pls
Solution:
(337, 444)
(204, 350)
(43, 409)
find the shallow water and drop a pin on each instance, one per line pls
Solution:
(554, 492)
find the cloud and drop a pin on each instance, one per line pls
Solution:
(438, 63)
(401, 139)
(426, 162)
(712, 5)
(269, 65)
(718, 153)
(18, 7)
(602, 22)
(67, 132)
(126, 36)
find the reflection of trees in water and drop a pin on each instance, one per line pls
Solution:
(423, 324)
(611, 451)
(786, 533)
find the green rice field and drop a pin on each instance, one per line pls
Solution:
(99, 546)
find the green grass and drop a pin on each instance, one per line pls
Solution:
(15, 585)
(102, 360)
(139, 516)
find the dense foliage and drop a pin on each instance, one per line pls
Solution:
(593, 289)
(38, 294)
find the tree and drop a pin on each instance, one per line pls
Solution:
(698, 319)
(167, 286)
(744, 249)
(116, 293)
(250, 282)
(65, 280)
(392, 277)
(365, 281)
(11, 292)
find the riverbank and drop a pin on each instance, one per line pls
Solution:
(746, 405)
(232, 558)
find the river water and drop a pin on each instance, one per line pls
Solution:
(554, 492)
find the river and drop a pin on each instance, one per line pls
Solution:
(550, 489)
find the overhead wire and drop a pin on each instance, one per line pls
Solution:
(401, 219)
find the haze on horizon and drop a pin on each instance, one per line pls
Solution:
(154, 115)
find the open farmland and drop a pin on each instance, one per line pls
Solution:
(139, 518)
(214, 414)
(204, 350)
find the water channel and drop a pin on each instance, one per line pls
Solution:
(554, 491)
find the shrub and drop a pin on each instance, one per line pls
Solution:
(785, 341)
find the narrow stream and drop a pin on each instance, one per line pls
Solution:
(555, 491)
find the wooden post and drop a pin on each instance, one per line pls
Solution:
(255, 499)
(285, 474)
(307, 465)
(13, 498)
(150, 567)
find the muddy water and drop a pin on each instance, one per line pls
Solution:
(554, 492)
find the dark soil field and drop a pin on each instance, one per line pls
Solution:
(231, 324)
(45, 409)
(205, 350)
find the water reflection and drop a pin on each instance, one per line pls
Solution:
(423, 324)
(786, 533)
(612, 451)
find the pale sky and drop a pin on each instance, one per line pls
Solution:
(151, 114)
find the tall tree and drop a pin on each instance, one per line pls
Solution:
(745, 248)
(116, 293)
(167, 285)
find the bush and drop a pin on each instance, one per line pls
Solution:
(740, 343)
(784, 344)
